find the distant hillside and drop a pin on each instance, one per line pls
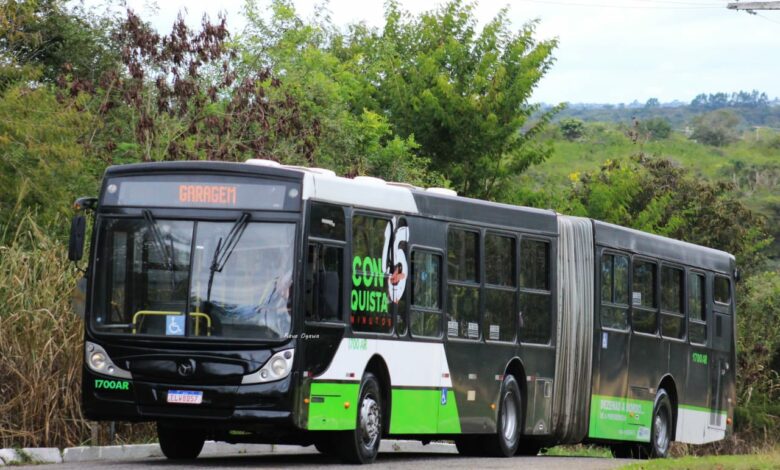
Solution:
(754, 108)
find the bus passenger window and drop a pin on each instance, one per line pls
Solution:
(462, 284)
(643, 297)
(672, 318)
(535, 296)
(426, 294)
(614, 291)
(722, 291)
(372, 309)
(500, 292)
(324, 270)
(326, 221)
(697, 311)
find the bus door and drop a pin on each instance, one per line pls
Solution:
(648, 355)
(610, 388)
(721, 348)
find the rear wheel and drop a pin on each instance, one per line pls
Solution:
(180, 443)
(661, 435)
(510, 409)
(362, 444)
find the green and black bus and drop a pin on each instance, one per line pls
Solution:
(255, 302)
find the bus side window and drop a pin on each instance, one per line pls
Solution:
(672, 316)
(614, 291)
(324, 270)
(500, 288)
(463, 284)
(535, 295)
(643, 297)
(426, 294)
(722, 290)
(697, 311)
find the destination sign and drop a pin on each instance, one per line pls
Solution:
(201, 191)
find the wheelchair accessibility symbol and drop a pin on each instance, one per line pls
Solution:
(174, 325)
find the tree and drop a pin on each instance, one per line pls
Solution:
(572, 128)
(657, 196)
(656, 128)
(464, 93)
(40, 39)
(460, 93)
(652, 103)
(717, 128)
(329, 73)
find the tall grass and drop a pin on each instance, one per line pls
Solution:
(41, 346)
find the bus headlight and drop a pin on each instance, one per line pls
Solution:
(98, 361)
(276, 368)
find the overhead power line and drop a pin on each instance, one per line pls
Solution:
(753, 6)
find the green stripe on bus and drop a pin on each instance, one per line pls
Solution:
(624, 419)
(327, 409)
(422, 411)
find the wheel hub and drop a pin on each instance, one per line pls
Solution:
(369, 421)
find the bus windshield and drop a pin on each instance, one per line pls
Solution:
(159, 277)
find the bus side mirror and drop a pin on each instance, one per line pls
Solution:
(76, 245)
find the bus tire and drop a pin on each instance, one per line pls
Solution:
(661, 431)
(180, 443)
(510, 416)
(362, 444)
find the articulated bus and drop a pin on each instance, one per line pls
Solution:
(255, 302)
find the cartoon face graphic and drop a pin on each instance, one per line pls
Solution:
(394, 258)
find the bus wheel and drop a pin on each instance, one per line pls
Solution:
(510, 410)
(180, 443)
(362, 444)
(661, 435)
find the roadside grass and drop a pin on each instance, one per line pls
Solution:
(579, 450)
(720, 462)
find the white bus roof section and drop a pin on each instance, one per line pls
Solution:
(365, 192)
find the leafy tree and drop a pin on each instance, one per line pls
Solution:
(758, 341)
(464, 93)
(40, 39)
(657, 196)
(656, 128)
(652, 103)
(459, 93)
(717, 128)
(326, 72)
(42, 161)
(572, 128)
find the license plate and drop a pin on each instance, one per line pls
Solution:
(187, 397)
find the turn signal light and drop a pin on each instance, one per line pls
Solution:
(346, 405)
(729, 421)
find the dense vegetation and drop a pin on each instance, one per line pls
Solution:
(429, 99)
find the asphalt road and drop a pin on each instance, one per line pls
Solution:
(309, 458)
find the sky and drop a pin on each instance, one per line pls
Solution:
(610, 51)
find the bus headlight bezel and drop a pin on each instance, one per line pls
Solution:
(277, 367)
(99, 362)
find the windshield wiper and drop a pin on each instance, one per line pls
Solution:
(159, 241)
(224, 250)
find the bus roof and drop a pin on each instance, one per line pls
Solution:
(373, 193)
(643, 243)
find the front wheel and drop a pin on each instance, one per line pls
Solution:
(362, 444)
(180, 443)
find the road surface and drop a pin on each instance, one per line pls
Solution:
(309, 458)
